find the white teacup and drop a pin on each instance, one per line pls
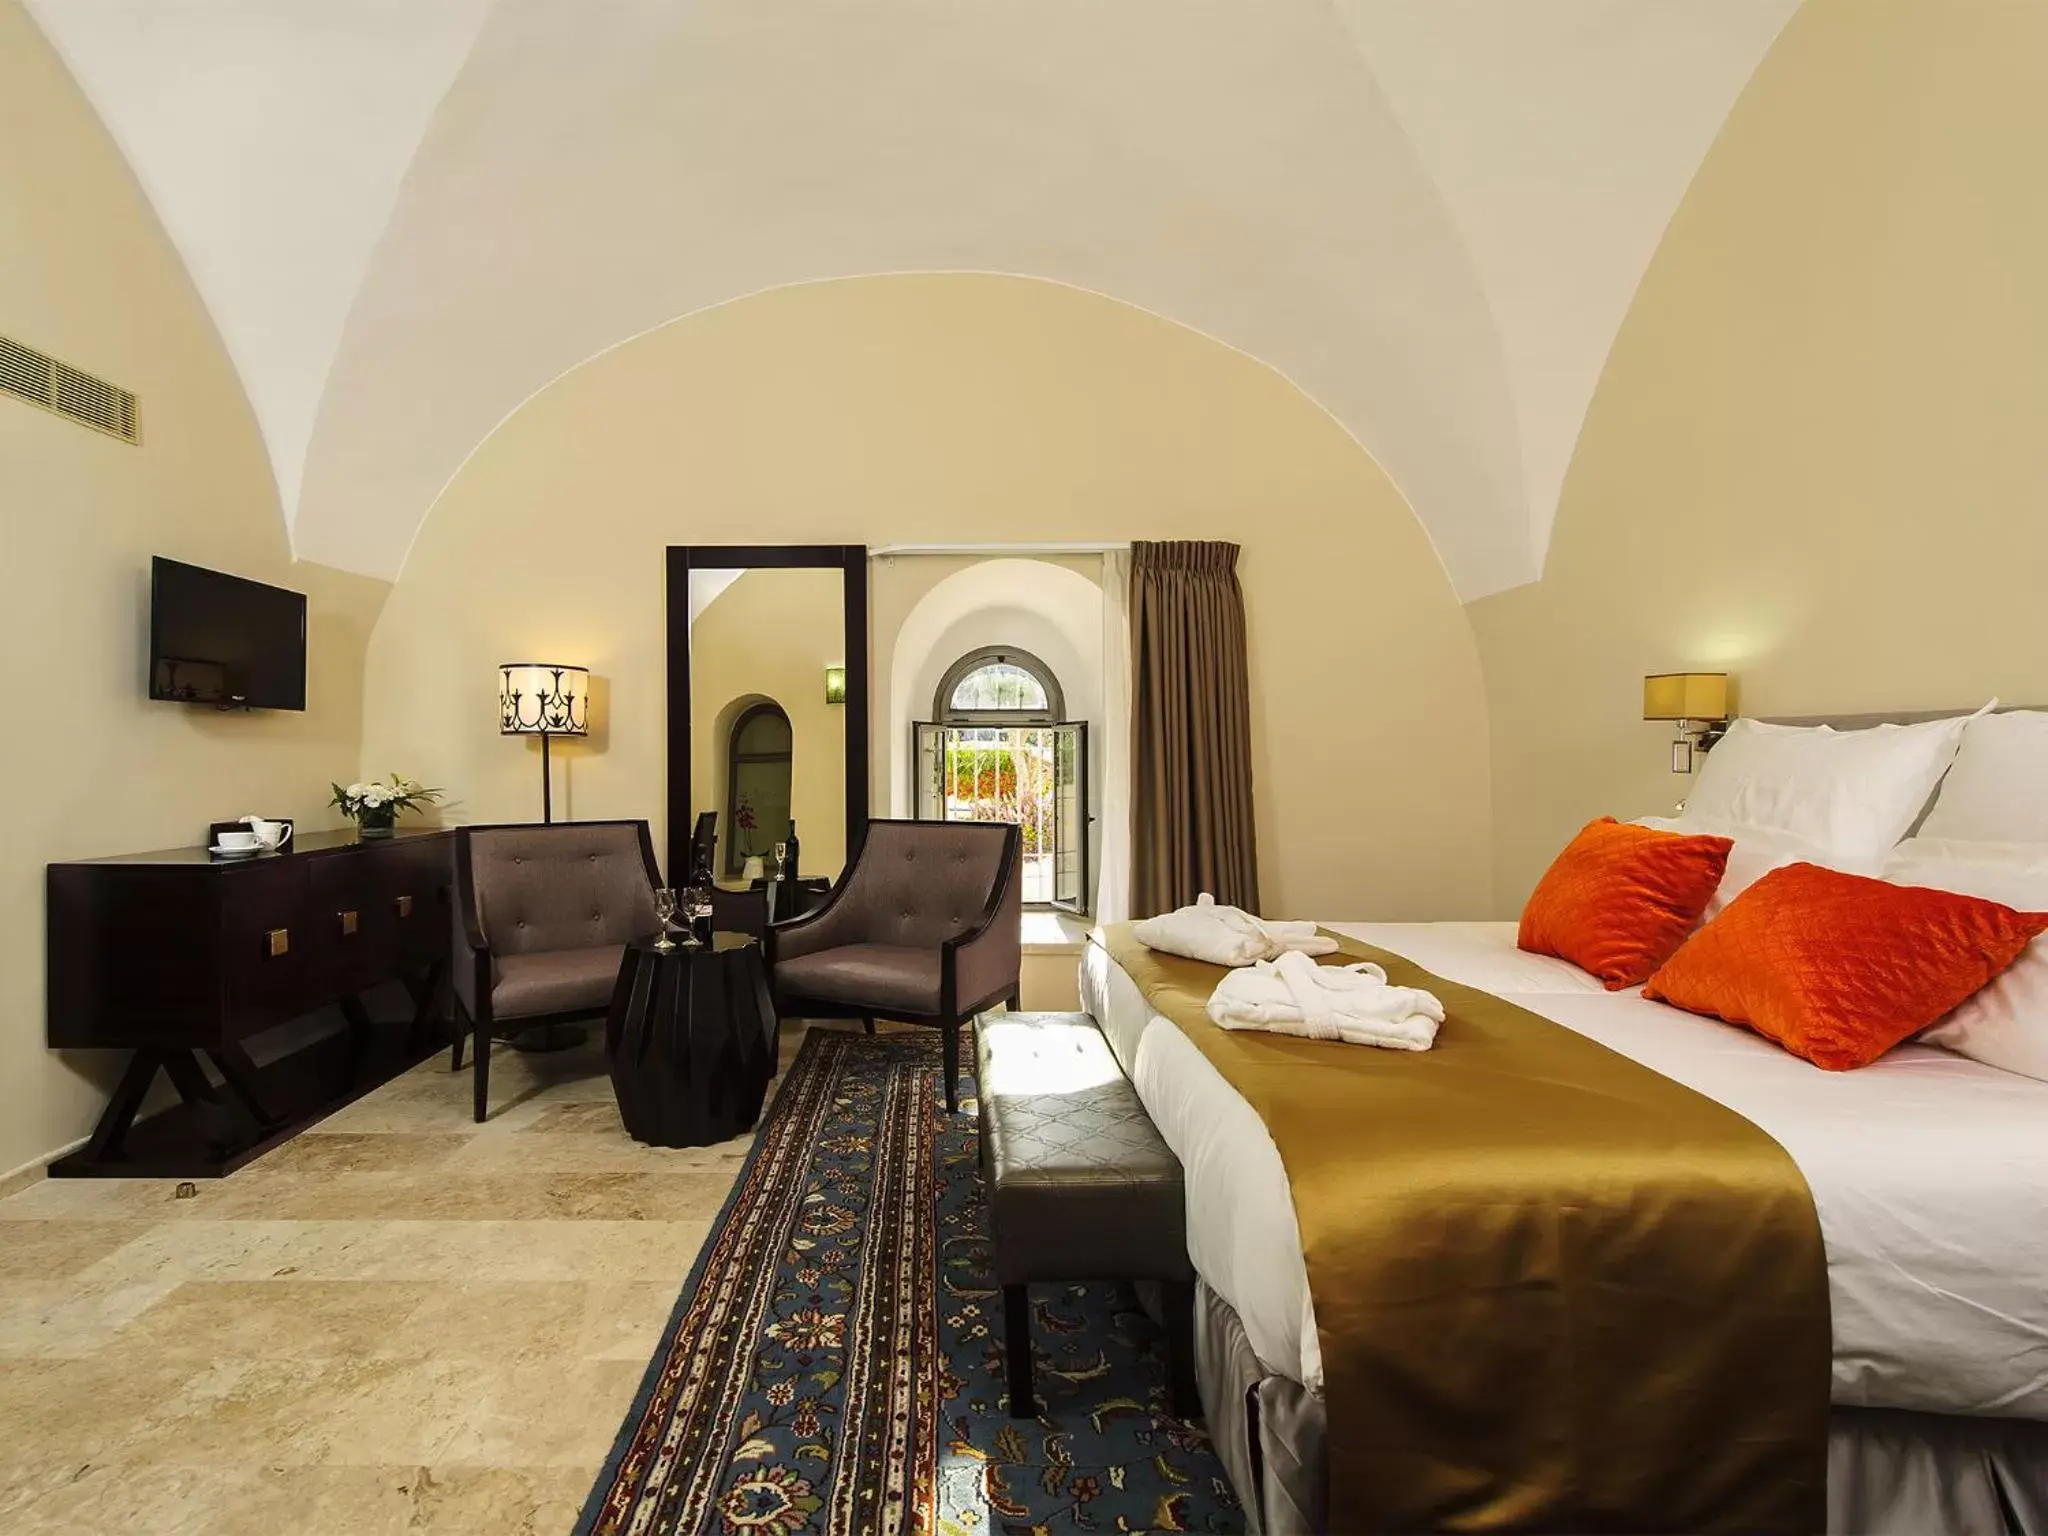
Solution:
(237, 842)
(269, 835)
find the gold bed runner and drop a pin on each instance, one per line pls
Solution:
(1555, 1290)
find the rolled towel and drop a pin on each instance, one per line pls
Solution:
(1227, 935)
(1353, 1003)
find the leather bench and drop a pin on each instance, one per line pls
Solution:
(1080, 1184)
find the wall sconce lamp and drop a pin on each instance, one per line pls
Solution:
(544, 699)
(1697, 701)
(835, 685)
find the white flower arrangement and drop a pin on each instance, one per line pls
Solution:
(374, 806)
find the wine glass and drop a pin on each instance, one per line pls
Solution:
(665, 910)
(696, 908)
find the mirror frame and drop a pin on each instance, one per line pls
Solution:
(851, 561)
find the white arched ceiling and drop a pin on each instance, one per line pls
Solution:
(1560, 136)
(1431, 216)
(271, 136)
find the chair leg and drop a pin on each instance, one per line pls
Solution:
(461, 1033)
(1017, 1350)
(867, 1025)
(1177, 1301)
(951, 1035)
(483, 1074)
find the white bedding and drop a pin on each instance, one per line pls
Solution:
(1929, 1172)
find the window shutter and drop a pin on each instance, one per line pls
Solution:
(928, 771)
(1070, 816)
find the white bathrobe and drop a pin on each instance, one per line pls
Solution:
(1353, 1003)
(1227, 935)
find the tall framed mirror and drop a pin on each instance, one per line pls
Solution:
(767, 719)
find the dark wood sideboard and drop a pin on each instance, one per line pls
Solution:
(178, 955)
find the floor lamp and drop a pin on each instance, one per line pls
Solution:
(544, 699)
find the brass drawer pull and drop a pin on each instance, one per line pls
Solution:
(403, 904)
(276, 942)
(348, 923)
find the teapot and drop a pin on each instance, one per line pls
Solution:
(270, 835)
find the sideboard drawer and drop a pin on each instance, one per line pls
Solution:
(352, 934)
(266, 946)
(412, 887)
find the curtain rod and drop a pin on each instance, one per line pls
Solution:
(1095, 547)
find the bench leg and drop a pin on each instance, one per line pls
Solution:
(1177, 1301)
(1017, 1350)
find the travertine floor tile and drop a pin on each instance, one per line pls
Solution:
(69, 1498)
(292, 1319)
(72, 1317)
(397, 1322)
(322, 1150)
(32, 1249)
(546, 1415)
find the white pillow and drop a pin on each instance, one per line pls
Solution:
(1757, 851)
(1852, 793)
(2006, 1024)
(1998, 787)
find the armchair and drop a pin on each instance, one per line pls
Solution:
(542, 916)
(923, 927)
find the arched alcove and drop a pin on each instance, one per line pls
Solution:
(1051, 610)
(957, 409)
(726, 753)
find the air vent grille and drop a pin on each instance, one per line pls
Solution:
(42, 380)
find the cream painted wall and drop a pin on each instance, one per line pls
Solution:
(1816, 458)
(87, 274)
(771, 635)
(956, 408)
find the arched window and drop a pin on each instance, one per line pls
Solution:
(757, 778)
(998, 685)
(998, 748)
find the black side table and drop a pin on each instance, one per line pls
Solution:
(691, 1040)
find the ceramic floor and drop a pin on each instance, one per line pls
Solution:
(399, 1321)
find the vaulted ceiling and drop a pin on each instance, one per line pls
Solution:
(406, 217)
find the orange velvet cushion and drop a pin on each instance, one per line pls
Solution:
(1840, 968)
(1621, 898)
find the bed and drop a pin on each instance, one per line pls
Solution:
(1929, 1173)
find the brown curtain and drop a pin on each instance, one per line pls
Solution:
(1191, 737)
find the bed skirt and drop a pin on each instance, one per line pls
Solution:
(1890, 1473)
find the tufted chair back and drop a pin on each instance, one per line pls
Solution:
(920, 883)
(575, 885)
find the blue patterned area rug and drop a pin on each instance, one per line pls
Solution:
(835, 1363)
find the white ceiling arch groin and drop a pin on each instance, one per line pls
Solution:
(1561, 134)
(271, 137)
(1430, 217)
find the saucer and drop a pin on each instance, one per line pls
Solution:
(233, 853)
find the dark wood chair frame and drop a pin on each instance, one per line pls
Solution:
(952, 1011)
(482, 1023)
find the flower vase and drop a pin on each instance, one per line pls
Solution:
(377, 821)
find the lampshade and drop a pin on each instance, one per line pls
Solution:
(835, 685)
(543, 698)
(1686, 696)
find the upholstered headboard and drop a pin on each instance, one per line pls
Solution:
(1886, 717)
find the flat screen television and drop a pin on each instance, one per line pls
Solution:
(222, 640)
